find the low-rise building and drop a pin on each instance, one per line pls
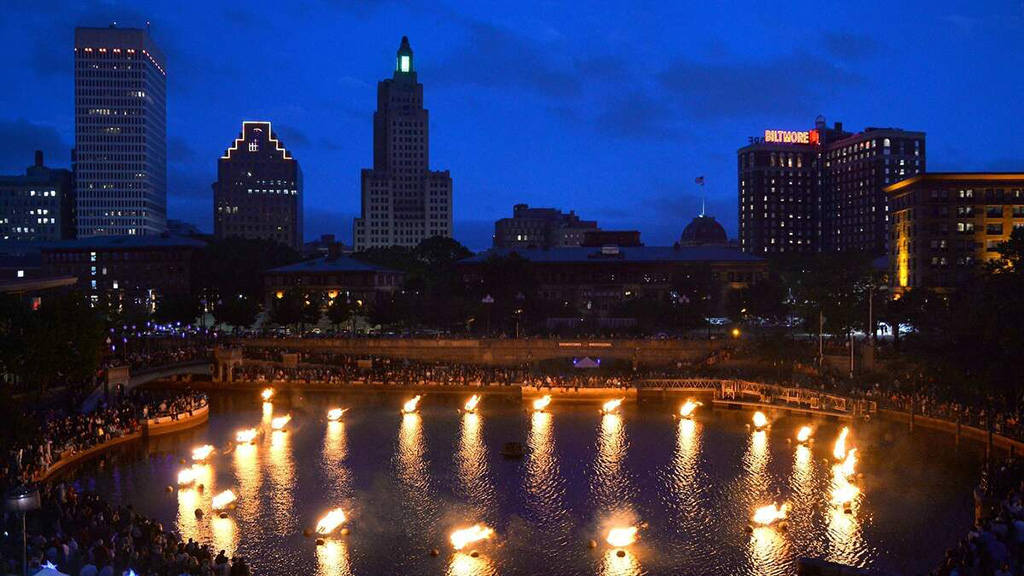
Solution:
(38, 206)
(335, 276)
(541, 228)
(945, 226)
(137, 269)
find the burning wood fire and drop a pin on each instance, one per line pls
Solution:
(621, 536)
(844, 494)
(804, 434)
(472, 402)
(267, 394)
(223, 500)
(689, 408)
(466, 536)
(767, 515)
(201, 453)
(331, 521)
(280, 422)
(541, 404)
(760, 420)
(246, 436)
(412, 405)
(611, 406)
(187, 477)
(839, 451)
(849, 465)
(334, 414)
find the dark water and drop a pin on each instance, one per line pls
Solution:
(407, 481)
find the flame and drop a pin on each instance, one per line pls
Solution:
(472, 402)
(688, 408)
(621, 536)
(804, 434)
(770, 514)
(844, 493)
(612, 405)
(848, 467)
(465, 536)
(221, 501)
(332, 520)
(541, 403)
(760, 420)
(410, 406)
(840, 449)
(187, 476)
(202, 452)
(267, 394)
(334, 414)
(245, 436)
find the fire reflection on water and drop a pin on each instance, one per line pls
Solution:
(412, 468)
(545, 487)
(614, 565)
(281, 467)
(609, 485)
(462, 564)
(471, 466)
(332, 559)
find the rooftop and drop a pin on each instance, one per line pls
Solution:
(957, 177)
(329, 264)
(626, 253)
(122, 242)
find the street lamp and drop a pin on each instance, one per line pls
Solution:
(23, 500)
(487, 301)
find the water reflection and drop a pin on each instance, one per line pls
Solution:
(614, 565)
(268, 414)
(334, 453)
(462, 564)
(332, 559)
(609, 485)
(545, 487)
(412, 465)
(223, 534)
(767, 551)
(844, 532)
(281, 468)
(803, 502)
(766, 547)
(471, 465)
(190, 499)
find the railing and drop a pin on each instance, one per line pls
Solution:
(770, 394)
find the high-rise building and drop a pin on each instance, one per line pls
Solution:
(258, 192)
(120, 132)
(822, 190)
(38, 205)
(403, 201)
(540, 228)
(946, 226)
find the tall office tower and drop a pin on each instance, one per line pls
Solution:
(38, 205)
(120, 132)
(822, 190)
(403, 201)
(258, 192)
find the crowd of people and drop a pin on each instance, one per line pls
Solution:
(83, 535)
(160, 353)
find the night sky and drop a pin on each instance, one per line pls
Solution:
(608, 108)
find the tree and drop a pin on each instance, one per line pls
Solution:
(171, 308)
(288, 308)
(238, 311)
(61, 343)
(231, 266)
(312, 308)
(339, 311)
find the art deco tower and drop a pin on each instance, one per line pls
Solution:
(403, 201)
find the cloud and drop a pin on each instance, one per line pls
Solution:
(848, 45)
(190, 185)
(19, 139)
(496, 58)
(638, 115)
(796, 85)
(291, 137)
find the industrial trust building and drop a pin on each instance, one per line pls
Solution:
(822, 190)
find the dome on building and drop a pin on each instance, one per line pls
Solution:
(703, 230)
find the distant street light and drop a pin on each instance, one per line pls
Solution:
(487, 301)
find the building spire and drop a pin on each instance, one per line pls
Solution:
(403, 64)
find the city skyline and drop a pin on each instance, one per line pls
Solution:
(524, 90)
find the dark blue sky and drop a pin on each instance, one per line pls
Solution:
(608, 108)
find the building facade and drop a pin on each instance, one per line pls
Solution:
(120, 133)
(258, 192)
(946, 226)
(128, 269)
(335, 276)
(403, 201)
(38, 206)
(540, 228)
(822, 190)
(594, 280)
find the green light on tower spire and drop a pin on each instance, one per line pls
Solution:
(403, 64)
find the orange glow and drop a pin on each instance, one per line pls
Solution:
(466, 536)
(246, 436)
(839, 451)
(280, 422)
(760, 420)
(331, 521)
(411, 406)
(688, 408)
(472, 402)
(222, 500)
(804, 434)
(612, 406)
(201, 453)
(621, 536)
(187, 476)
(267, 394)
(334, 414)
(770, 514)
(541, 404)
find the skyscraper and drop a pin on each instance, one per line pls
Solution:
(822, 190)
(403, 201)
(38, 205)
(120, 132)
(258, 192)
